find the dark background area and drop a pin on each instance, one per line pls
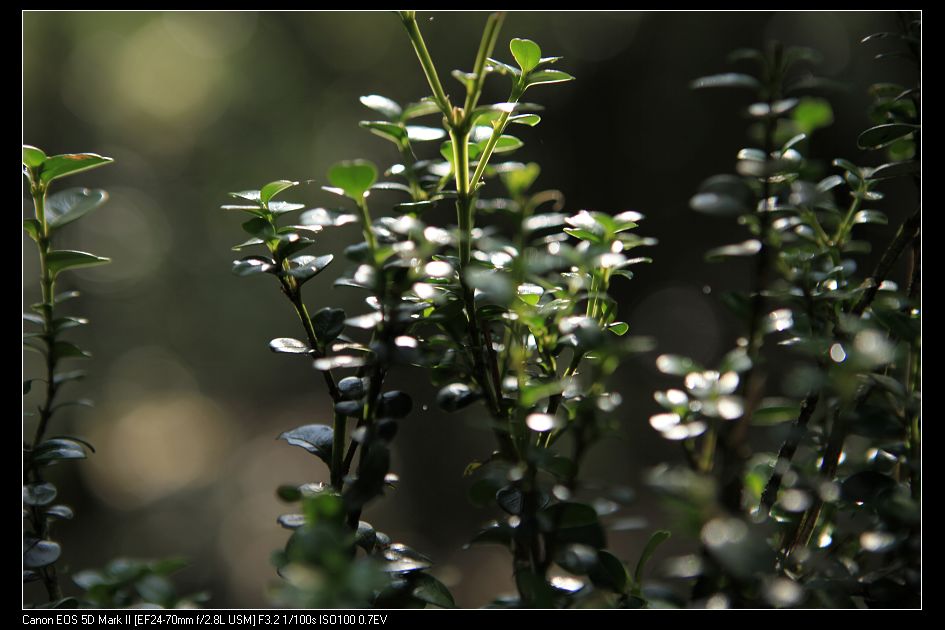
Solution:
(193, 105)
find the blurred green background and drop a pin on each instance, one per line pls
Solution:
(192, 105)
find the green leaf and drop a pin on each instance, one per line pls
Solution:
(417, 133)
(287, 345)
(525, 119)
(62, 512)
(883, 135)
(61, 165)
(307, 267)
(730, 79)
(272, 189)
(32, 156)
(520, 178)
(387, 130)
(67, 206)
(33, 228)
(327, 218)
(775, 411)
(618, 328)
(39, 553)
(609, 572)
(423, 108)
(384, 106)
(547, 76)
(505, 144)
(354, 177)
(252, 265)
(259, 227)
(281, 207)
(328, 323)
(65, 377)
(723, 195)
(291, 521)
(526, 52)
(63, 259)
(655, 541)
(455, 396)
(248, 195)
(56, 449)
(430, 590)
(38, 494)
(66, 350)
(746, 248)
(870, 216)
(499, 67)
(446, 150)
(812, 114)
(314, 438)
(676, 365)
(896, 169)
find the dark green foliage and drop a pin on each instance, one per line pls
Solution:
(128, 583)
(45, 327)
(490, 317)
(521, 322)
(813, 524)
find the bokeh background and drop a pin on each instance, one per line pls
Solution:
(192, 105)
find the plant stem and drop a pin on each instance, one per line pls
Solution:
(433, 79)
(464, 201)
(489, 36)
(845, 226)
(337, 450)
(47, 284)
(908, 231)
(497, 131)
(367, 231)
(770, 494)
(734, 437)
(294, 294)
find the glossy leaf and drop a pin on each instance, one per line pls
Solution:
(56, 449)
(746, 248)
(526, 52)
(387, 130)
(323, 217)
(382, 105)
(68, 205)
(272, 189)
(62, 259)
(328, 323)
(430, 590)
(38, 494)
(455, 396)
(896, 169)
(314, 438)
(354, 177)
(609, 572)
(288, 345)
(884, 135)
(33, 229)
(304, 268)
(39, 553)
(33, 156)
(547, 76)
(70, 163)
(253, 265)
